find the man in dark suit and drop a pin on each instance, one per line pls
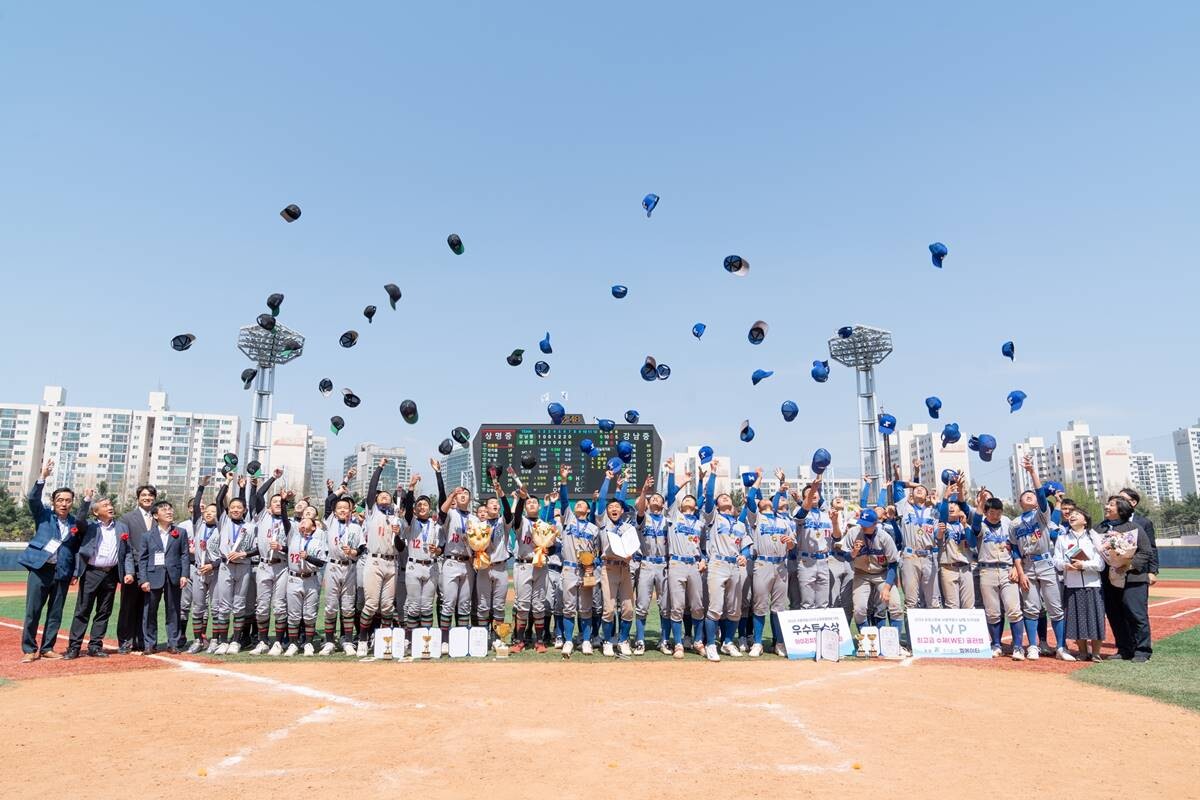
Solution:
(50, 559)
(96, 569)
(129, 615)
(1143, 522)
(163, 568)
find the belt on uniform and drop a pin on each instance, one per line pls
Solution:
(769, 559)
(908, 551)
(570, 564)
(341, 563)
(727, 559)
(1037, 558)
(653, 559)
(424, 562)
(684, 559)
(385, 558)
(814, 556)
(956, 565)
(524, 560)
(308, 574)
(456, 557)
(994, 565)
(555, 567)
(274, 561)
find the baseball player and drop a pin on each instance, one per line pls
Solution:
(552, 515)
(577, 534)
(873, 557)
(773, 538)
(270, 576)
(491, 584)
(729, 548)
(307, 552)
(454, 576)
(232, 554)
(957, 544)
(616, 579)
(999, 575)
(345, 544)
(815, 531)
(422, 535)
(1037, 577)
(652, 566)
(529, 580)
(381, 532)
(687, 562)
(918, 524)
(203, 585)
(400, 584)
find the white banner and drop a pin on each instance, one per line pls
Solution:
(949, 633)
(800, 630)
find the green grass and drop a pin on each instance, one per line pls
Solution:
(1169, 676)
(1179, 575)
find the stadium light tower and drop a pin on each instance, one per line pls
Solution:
(864, 349)
(266, 349)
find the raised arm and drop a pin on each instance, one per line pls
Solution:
(643, 495)
(260, 495)
(437, 472)
(373, 484)
(198, 502)
(36, 508)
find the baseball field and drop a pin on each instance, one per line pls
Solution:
(649, 726)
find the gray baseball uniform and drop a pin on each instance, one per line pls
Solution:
(455, 569)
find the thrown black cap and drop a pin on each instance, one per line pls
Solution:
(336, 424)
(274, 302)
(408, 411)
(266, 322)
(253, 468)
(291, 213)
(348, 339)
(369, 313)
(183, 341)
(455, 244)
(446, 447)
(528, 461)
(325, 387)
(461, 435)
(515, 358)
(393, 293)
(350, 398)
(248, 376)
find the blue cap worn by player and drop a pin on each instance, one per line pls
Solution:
(887, 424)
(544, 344)
(736, 265)
(758, 332)
(606, 425)
(705, 454)
(846, 331)
(934, 405)
(760, 375)
(625, 451)
(698, 329)
(619, 291)
(821, 461)
(820, 371)
(542, 369)
(1008, 350)
(938, 253)
(632, 417)
(649, 202)
(950, 434)
(745, 432)
(1016, 398)
(867, 518)
(556, 412)
(789, 410)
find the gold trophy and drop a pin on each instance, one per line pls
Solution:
(503, 629)
(587, 558)
(862, 650)
(872, 645)
(425, 654)
(386, 633)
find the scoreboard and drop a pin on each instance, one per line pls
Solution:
(504, 445)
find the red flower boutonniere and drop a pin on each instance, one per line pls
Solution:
(74, 530)
(174, 533)
(203, 546)
(124, 537)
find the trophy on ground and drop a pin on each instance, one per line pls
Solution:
(426, 636)
(503, 629)
(868, 642)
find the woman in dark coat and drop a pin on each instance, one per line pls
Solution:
(1126, 587)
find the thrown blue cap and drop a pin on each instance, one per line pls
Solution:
(820, 371)
(846, 331)
(619, 291)
(545, 344)
(632, 416)
(587, 447)
(1007, 349)
(984, 444)
(821, 460)
(746, 433)
(663, 372)
(1053, 487)
(625, 451)
(606, 425)
(867, 518)
(934, 404)
(760, 375)
(950, 433)
(556, 412)
(649, 202)
(541, 368)
(949, 476)
(705, 454)
(698, 329)
(758, 332)
(938, 252)
(789, 410)
(650, 369)
(736, 265)
(887, 424)
(1015, 400)
(748, 479)
(615, 464)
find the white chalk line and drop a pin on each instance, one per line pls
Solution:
(320, 714)
(278, 685)
(1168, 602)
(1185, 613)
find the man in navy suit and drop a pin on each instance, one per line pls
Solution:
(163, 568)
(50, 559)
(100, 549)
(129, 616)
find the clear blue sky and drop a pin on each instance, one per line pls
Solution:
(147, 151)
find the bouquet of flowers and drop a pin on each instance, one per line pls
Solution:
(1118, 549)
(479, 537)
(544, 535)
